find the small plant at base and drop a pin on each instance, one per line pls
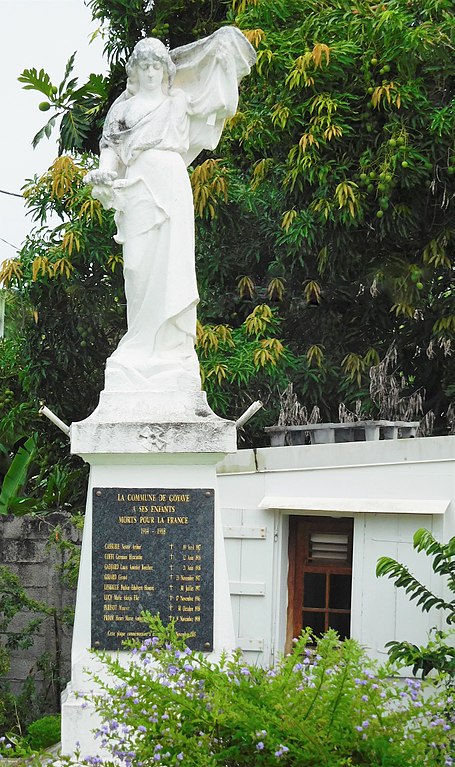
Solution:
(44, 732)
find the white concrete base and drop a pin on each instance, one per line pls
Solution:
(79, 720)
(152, 422)
(148, 469)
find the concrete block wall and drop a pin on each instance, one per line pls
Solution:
(25, 550)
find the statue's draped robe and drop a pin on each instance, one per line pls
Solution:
(154, 210)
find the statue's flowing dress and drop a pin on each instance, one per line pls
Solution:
(155, 225)
(154, 210)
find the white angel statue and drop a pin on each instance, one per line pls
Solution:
(175, 104)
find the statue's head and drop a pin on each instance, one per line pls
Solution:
(149, 50)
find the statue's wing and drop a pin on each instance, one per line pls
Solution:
(209, 72)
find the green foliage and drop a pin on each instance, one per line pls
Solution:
(16, 476)
(44, 732)
(251, 357)
(79, 107)
(177, 22)
(17, 711)
(71, 277)
(443, 564)
(40, 735)
(438, 654)
(14, 600)
(323, 704)
(321, 144)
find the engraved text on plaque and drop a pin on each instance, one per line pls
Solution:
(152, 550)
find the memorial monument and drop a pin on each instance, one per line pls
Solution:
(152, 535)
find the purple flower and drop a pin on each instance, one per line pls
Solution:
(245, 671)
(260, 745)
(180, 756)
(141, 728)
(281, 750)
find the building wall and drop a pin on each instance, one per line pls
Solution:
(389, 488)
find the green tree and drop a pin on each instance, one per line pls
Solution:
(341, 160)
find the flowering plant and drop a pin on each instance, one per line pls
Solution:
(323, 704)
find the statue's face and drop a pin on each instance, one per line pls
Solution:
(150, 75)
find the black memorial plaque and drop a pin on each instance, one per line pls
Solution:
(152, 550)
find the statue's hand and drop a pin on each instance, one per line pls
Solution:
(101, 181)
(100, 177)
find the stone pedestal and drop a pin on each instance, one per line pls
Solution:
(152, 441)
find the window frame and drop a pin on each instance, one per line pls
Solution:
(300, 529)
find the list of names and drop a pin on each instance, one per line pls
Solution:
(152, 551)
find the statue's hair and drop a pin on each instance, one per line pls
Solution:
(149, 49)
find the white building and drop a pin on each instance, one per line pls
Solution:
(305, 526)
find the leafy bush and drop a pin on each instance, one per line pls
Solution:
(323, 704)
(41, 734)
(44, 732)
